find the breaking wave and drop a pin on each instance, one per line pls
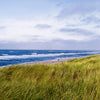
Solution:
(34, 55)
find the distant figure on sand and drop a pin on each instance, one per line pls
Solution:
(58, 60)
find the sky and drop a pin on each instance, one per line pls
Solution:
(50, 24)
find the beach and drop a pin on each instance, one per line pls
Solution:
(55, 61)
(46, 62)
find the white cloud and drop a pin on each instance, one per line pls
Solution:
(25, 31)
(48, 28)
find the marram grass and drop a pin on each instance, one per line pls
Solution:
(78, 79)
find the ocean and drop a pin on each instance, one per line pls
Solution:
(10, 57)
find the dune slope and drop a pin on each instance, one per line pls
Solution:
(77, 79)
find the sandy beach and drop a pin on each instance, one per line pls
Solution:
(55, 61)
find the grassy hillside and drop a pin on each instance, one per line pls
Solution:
(78, 79)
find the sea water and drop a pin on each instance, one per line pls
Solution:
(10, 57)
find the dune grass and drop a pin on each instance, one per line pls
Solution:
(78, 79)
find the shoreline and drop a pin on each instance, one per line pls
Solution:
(54, 61)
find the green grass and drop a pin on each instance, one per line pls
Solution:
(78, 79)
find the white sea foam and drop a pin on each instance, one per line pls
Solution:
(34, 55)
(11, 51)
(4, 54)
(28, 56)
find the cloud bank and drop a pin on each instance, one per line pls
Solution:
(72, 20)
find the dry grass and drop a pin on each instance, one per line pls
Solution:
(78, 79)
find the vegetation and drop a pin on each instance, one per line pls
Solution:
(78, 79)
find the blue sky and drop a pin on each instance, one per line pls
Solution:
(50, 24)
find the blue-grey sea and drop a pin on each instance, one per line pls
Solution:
(10, 57)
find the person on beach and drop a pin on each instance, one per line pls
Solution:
(58, 60)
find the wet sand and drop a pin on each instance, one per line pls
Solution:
(55, 61)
